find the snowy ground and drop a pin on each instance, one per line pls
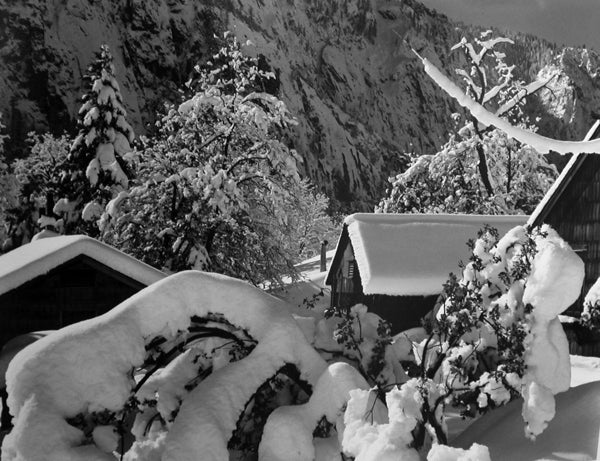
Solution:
(583, 370)
(311, 284)
(576, 425)
(571, 436)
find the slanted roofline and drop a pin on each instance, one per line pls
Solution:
(553, 195)
(41, 256)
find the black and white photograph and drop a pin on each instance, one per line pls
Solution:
(300, 230)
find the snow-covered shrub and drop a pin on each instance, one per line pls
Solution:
(204, 365)
(480, 169)
(495, 336)
(218, 189)
(166, 368)
(39, 184)
(362, 338)
(8, 194)
(590, 316)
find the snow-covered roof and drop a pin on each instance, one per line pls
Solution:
(412, 254)
(564, 179)
(40, 256)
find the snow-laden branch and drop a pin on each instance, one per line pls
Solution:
(540, 143)
(533, 87)
(486, 46)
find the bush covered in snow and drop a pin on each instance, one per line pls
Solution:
(39, 183)
(495, 336)
(205, 365)
(8, 191)
(590, 317)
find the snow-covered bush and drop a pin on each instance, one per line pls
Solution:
(480, 169)
(166, 364)
(8, 193)
(494, 336)
(204, 365)
(218, 188)
(590, 316)
(39, 184)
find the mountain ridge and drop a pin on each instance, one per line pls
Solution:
(344, 69)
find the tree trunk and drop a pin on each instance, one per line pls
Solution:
(482, 164)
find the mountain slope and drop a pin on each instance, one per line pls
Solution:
(344, 69)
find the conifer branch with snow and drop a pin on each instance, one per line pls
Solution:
(96, 171)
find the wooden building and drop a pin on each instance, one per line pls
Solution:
(56, 281)
(396, 263)
(572, 208)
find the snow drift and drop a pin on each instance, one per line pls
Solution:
(88, 367)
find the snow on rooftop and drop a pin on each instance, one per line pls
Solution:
(412, 254)
(40, 256)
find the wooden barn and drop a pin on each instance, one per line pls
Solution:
(56, 281)
(396, 263)
(572, 208)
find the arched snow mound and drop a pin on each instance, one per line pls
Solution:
(572, 435)
(88, 367)
(288, 434)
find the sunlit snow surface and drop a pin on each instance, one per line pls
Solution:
(412, 254)
(572, 434)
(40, 256)
(52, 379)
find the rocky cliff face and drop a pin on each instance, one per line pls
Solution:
(344, 70)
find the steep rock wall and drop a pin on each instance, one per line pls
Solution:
(344, 69)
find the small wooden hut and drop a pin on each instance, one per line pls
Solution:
(56, 281)
(396, 263)
(572, 208)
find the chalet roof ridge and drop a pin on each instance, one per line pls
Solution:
(564, 179)
(41, 256)
(410, 254)
(408, 218)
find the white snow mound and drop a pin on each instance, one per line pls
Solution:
(88, 367)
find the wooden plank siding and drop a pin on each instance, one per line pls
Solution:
(576, 217)
(76, 290)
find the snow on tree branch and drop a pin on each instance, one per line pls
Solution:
(541, 143)
(533, 87)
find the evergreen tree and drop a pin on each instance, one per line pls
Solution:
(95, 170)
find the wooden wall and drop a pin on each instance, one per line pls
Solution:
(576, 217)
(403, 312)
(77, 290)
